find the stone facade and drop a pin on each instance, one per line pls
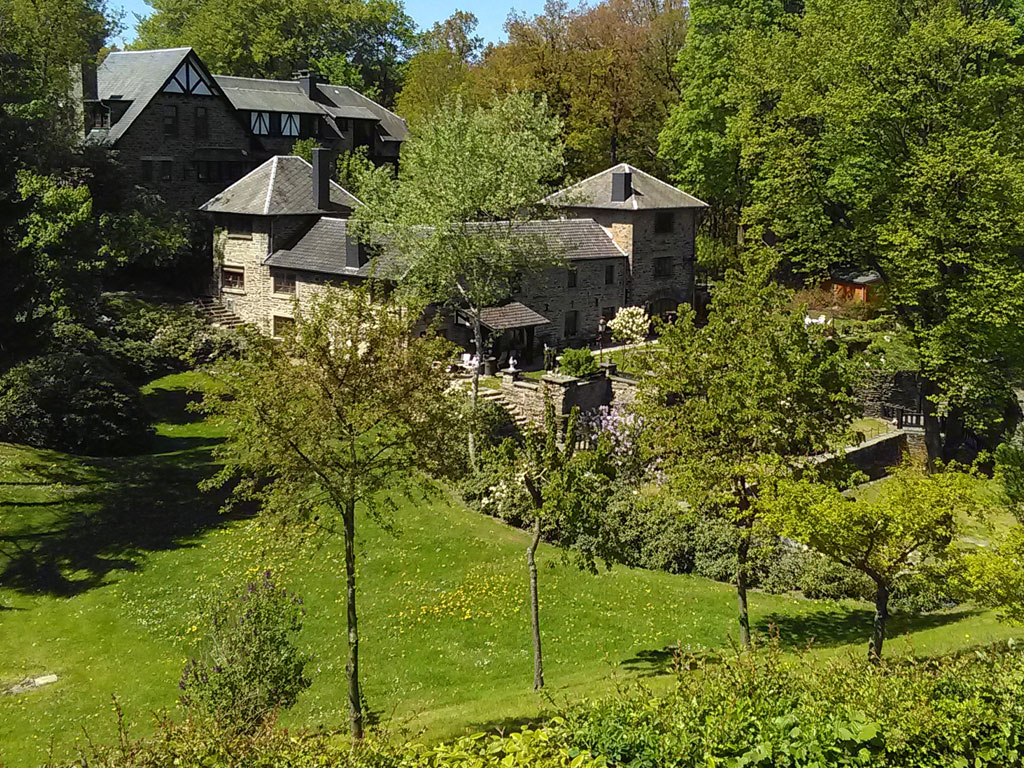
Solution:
(187, 143)
(170, 164)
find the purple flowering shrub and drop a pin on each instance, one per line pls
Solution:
(621, 427)
(248, 666)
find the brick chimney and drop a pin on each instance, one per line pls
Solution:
(622, 186)
(322, 178)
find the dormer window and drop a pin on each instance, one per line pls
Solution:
(259, 122)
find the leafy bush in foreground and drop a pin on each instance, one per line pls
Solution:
(756, 709)
(759, 710)
(577, 362)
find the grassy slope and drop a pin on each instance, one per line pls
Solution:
(105, 562)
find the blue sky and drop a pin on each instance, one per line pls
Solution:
(492, 15)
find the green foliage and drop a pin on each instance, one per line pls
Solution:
(993, 576)
(736, 405)
(577, 362)
(1009, 467)
(912, 525)
(148, 339)
(893, 151)
(248, 667)
(272, 39)
(758, 711)
(73, 402)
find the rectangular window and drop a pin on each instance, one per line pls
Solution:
(170, 120)
(232, 278)
(572, 324)
(663, 267)
(664, 222)
(609, 275)
(282, 325)
(147, 170)
(289, 125)
(284, 282)
(166, 170)
(259, 123)
(202, 123)
(570, 277)
(240, 228)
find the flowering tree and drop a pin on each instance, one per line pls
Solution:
(630, 325)
(348, 405)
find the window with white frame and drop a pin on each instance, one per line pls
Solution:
(289, 125)
(259, 123)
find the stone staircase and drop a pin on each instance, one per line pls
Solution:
(496, 396)
(215, 313)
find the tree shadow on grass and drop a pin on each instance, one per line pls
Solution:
(824, 628)
(849, 626)
(109, 513)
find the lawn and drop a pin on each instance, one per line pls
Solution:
(104, 563)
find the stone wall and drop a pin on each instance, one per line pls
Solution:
(548, 293)
(876, 456)
(566, 392)
(883, 388)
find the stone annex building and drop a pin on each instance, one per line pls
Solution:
(184, 133)
(627, 238)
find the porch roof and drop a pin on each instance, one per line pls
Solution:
(511, 315)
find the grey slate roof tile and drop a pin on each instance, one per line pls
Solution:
(323, 249)
(649, 192)
(511, 315)
(282, 186)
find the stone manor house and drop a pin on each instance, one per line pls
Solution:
(626, 238)
(185, 133)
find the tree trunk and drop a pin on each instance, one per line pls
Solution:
(531, 562)
(742, 551)
(478, 338)
(881, 616)
(355, 705)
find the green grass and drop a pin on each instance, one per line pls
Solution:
(104, 561)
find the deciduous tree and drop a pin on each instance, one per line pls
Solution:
(741, 403)
(335, 418)
(915, 521)
(469, 180)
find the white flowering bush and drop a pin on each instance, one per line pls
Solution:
(630, 325)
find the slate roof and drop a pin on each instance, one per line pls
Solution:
(323, 249)
(856, 276)
(135, 76)
(267, 95)
(572, 239)
(511, 315)
(282, 186)
(649, 193)
(346, 102)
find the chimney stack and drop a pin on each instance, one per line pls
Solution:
(322, 178)
(622, 186)
(308, 81)
(353, 252)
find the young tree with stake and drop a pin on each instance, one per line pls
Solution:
(321, 424)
